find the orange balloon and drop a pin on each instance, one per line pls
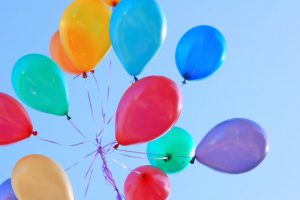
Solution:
(84, 32)
(112, 3)
(59, 55)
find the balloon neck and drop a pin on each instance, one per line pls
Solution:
(184, 82)
(135, 79)
(92, 71)
(68, 117)
(84, 75)
(168, 157)
(116, 146)
(114, 4)
(193, 160)
(35, 133)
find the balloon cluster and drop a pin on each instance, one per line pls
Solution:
(147, 111)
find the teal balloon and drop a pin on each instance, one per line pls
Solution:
(172, 152)
(40, 83)
(137, 31)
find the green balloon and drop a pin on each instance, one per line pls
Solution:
(177, 146)
(40, 83)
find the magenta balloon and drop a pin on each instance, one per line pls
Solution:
(233, 146)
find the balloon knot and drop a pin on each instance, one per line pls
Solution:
(92, 71)
(193, 160)
(35, 133)
(135, 79)
(184, 82)
(116, 146)
(68, 117)
(168, 157)
(114, 4)
(84, 75)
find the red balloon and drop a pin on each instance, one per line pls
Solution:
(148, 109)
(15, 124)
(147, 183)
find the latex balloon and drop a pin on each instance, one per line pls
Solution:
(200, 52)
(40, 83)
(148, 109)
(15, 124)
(84, 31)
(137, 31)
(112, 3)
(178, 148)
(37, 177)
(233, 146)
(6, 191)
(147, 183)
(59, 55)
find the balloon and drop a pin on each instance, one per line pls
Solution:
(6, 191)
(177, 145)
(200, 52)
(84, 32)
(147, 183)
(36, 177)
(15, 124)
(112, 3)
(59, 55)
(149, 108)
(234, 146)
(137, 31)
(40, 83)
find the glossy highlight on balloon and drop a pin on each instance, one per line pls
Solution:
(148, 109)
(84, 32)
(36, 177)
(59, 55)
(200, 52)
(177, 146)
(147, 183)
(15, 124)
(233, 146)
(40, 83)
(137, 30)
(6, 191)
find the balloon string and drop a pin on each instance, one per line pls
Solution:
(161, 158)
(96, 82)
(70, 145)
(152, 154)
(76, 163)
(90, 104)
(78, 130)
(107, 173)
(125, 167)
(91, 171)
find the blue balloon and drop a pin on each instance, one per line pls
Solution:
(137, 31)
(200, 52)
(6, 191)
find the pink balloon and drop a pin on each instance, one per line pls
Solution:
(148, 109)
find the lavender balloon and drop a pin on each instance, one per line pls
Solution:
(6, 191)
(233, 146)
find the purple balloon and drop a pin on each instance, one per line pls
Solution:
(6, 191)
(233, 146)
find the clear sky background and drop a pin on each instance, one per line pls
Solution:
(259, 80)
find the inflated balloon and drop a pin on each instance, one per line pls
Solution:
(147, 183)
(59, 55)
(148, 109)
(84, 32)
(112, 3)
(15, 124)
(200, 52)
(177, 146)
(40, 83)
(6, 191)
(233, 146)
(37, 177)
(137, 31)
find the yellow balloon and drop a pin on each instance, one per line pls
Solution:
(37, 177)
(84, 32)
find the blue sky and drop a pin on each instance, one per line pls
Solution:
(259, 80)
